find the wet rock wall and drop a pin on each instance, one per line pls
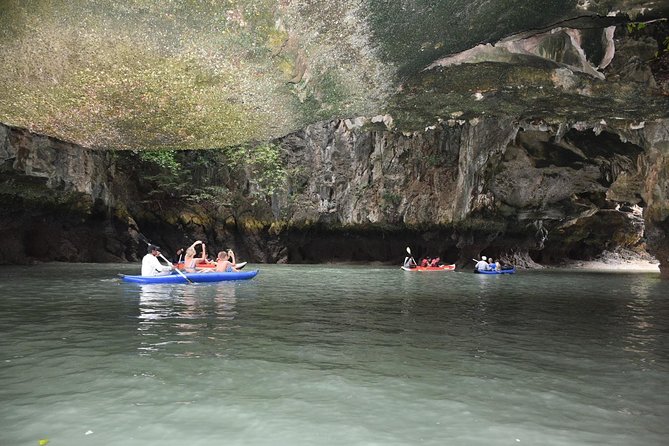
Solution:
(529, 192)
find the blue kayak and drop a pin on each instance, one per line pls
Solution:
(193, 277)
(501, 271)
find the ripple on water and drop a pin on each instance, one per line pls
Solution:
(334, 355)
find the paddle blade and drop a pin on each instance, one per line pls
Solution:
(408, 250)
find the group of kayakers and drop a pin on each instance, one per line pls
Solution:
(425, 262)
(225, 261)
(428, 261)
(151, 266)
(486, 264)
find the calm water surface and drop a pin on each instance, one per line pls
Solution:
(333, 355)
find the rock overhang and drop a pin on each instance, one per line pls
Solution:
(151, 74)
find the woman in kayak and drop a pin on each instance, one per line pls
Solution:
(190, 260)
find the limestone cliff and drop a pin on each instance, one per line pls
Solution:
(146, 74)
(353, 190)
(335, 130)
(514, 189)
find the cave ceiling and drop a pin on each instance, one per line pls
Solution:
(146, 74)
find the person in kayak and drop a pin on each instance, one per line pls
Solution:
(409, 262)
(190, 260)
(481, 265)
(231, 257)
(179, 256)
(223, 263)
(151, 266)
(502, 266)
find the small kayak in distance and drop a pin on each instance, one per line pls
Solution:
(430, 268)
(511, 270)
(206, 277)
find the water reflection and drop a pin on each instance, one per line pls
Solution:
(179, 319)
(534, 358)
(641, 335)
(224, 303)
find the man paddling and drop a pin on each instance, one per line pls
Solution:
(409, 262)
(481, 265)
(151, 266)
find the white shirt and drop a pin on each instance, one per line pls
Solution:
(152, 267)
(481, 265)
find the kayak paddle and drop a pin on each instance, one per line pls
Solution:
(411, 255)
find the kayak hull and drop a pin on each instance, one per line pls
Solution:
(502, 271)
(430, 268)
(207, 277)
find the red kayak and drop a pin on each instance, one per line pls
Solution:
(203, 265)
(450, 267)
(200, 265)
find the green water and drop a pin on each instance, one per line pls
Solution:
(333, 355)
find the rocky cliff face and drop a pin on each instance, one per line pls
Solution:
(354, 191)
(522, 190)
(197, 75)
(57, 202)
(530, 136)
